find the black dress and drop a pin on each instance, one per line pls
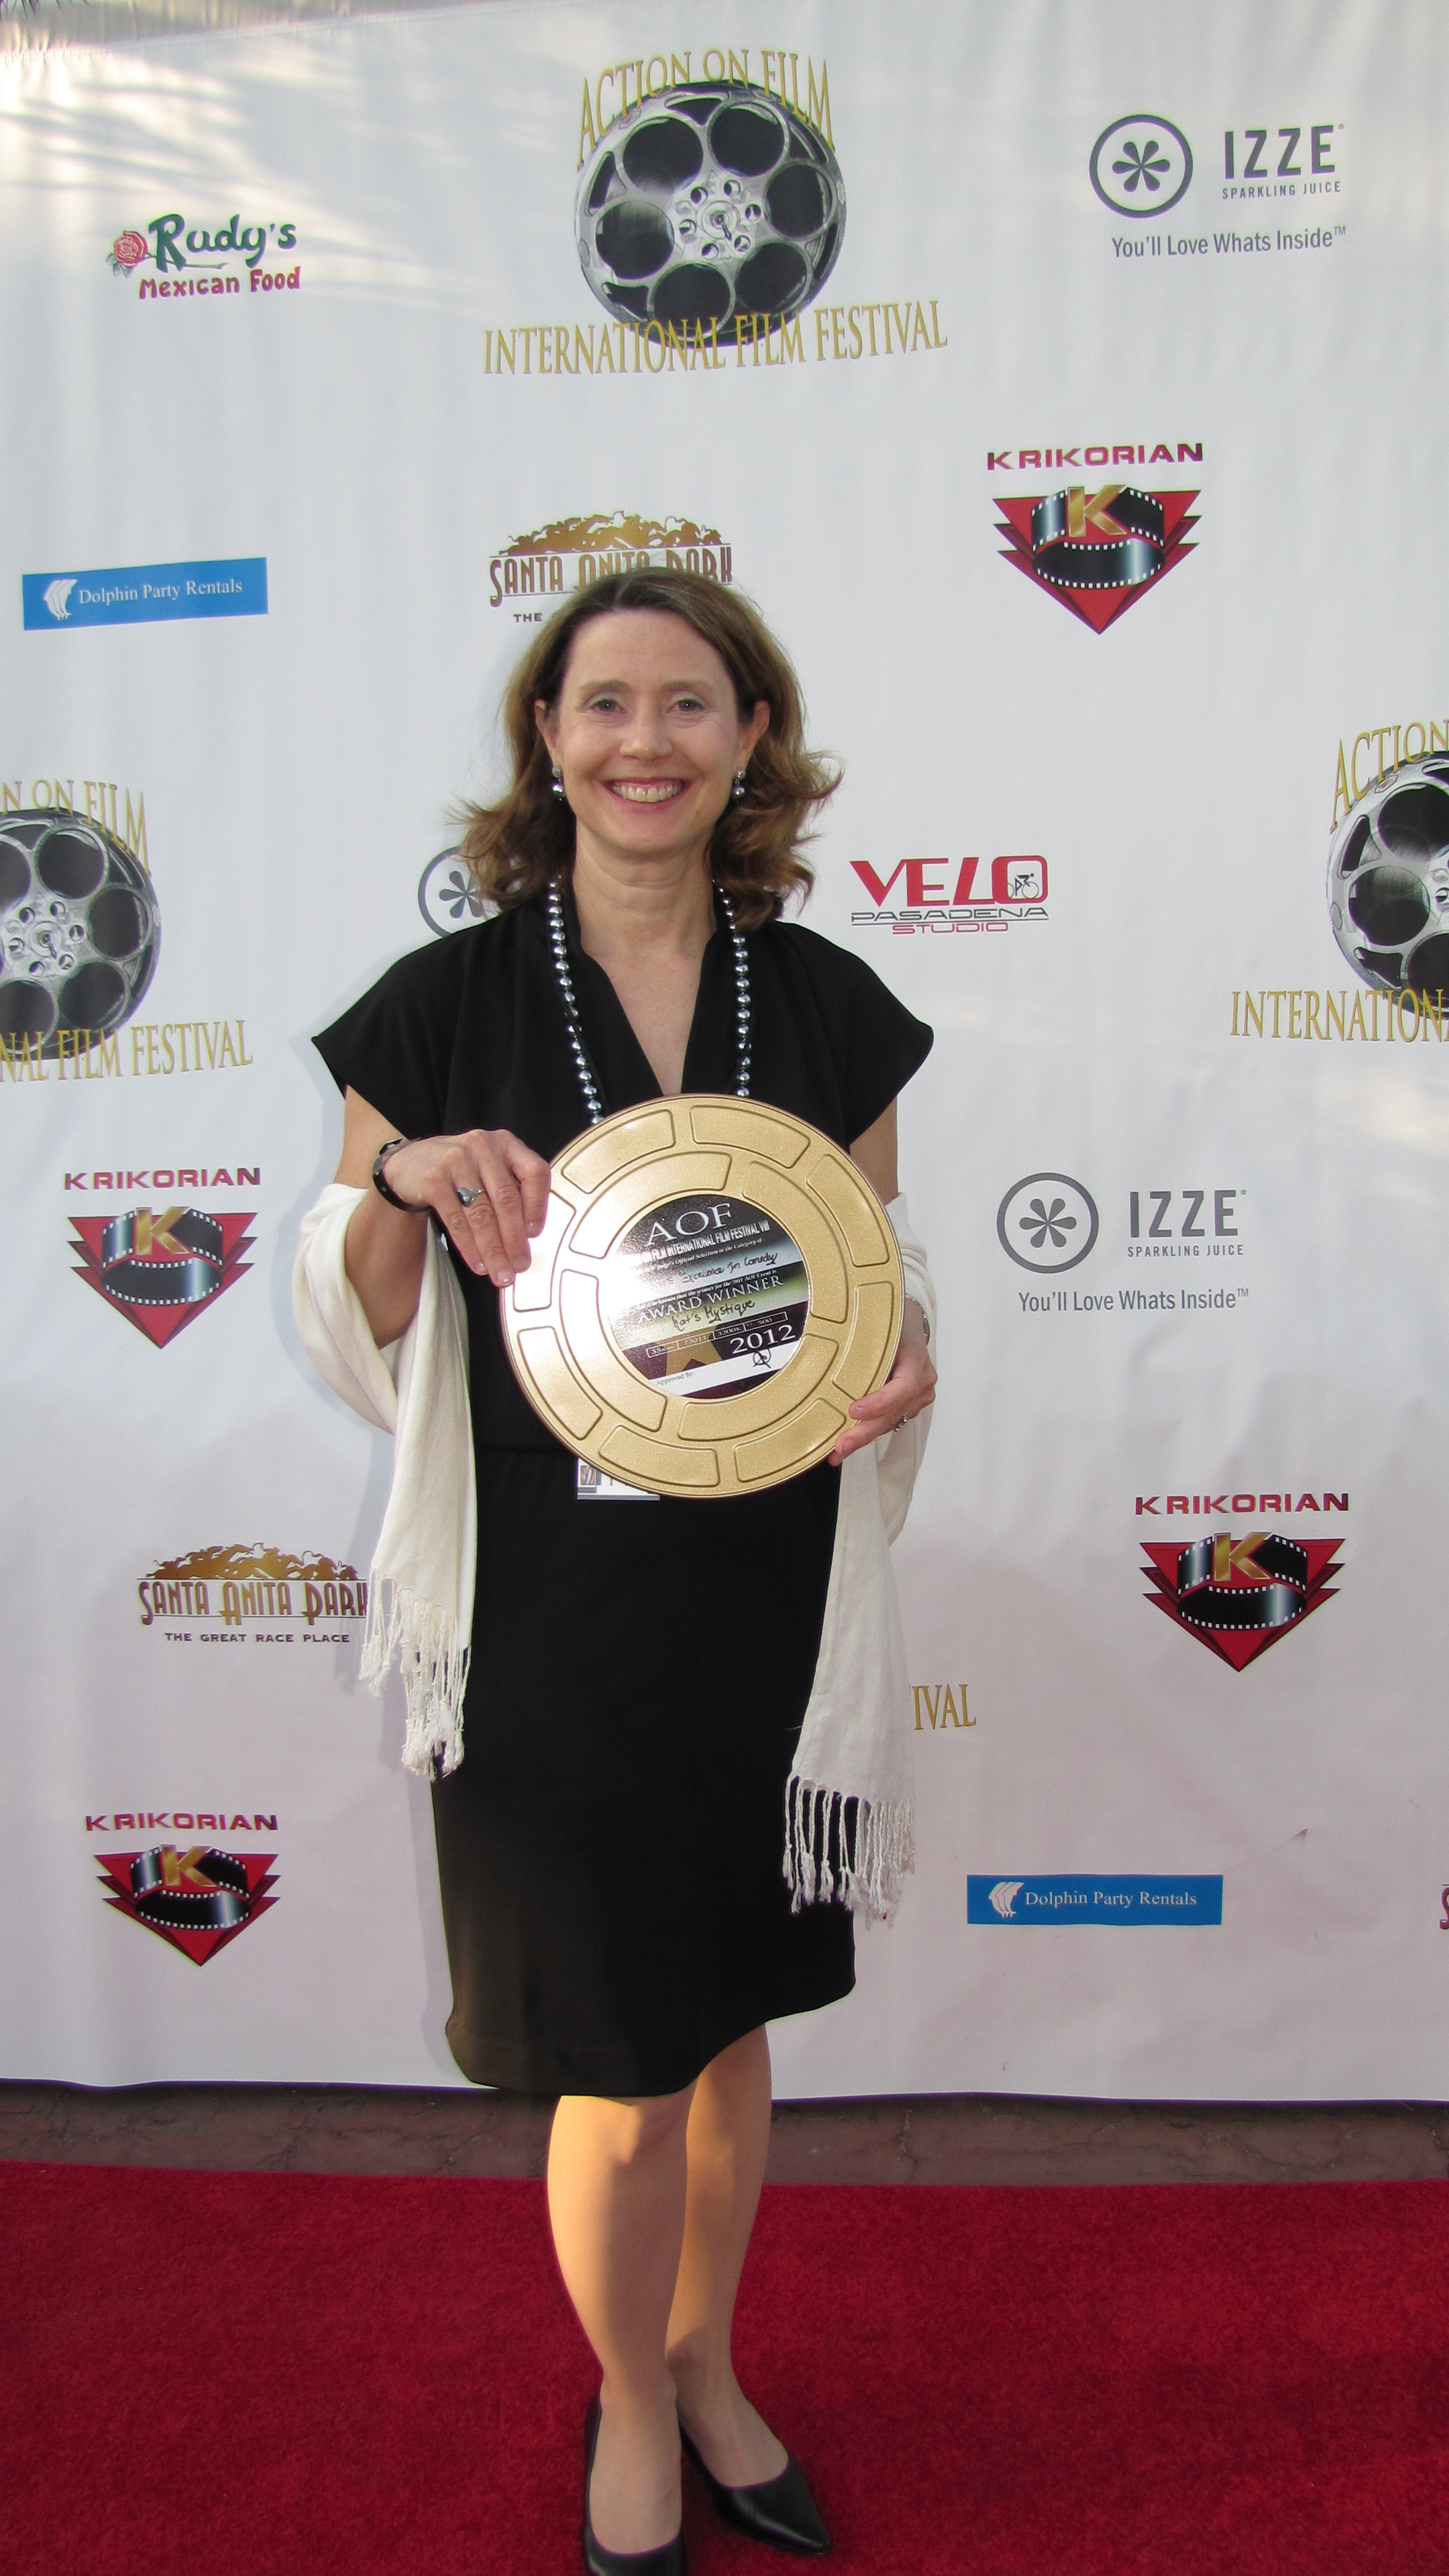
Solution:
(610, 1851)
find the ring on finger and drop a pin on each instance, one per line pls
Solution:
(900, 1426)
(467, 1197)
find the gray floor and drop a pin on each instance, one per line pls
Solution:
(276, 2128)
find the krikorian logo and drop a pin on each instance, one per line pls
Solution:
(569, 554)
(1141, 165)
(951, 895)
(161, 1268)
(1239, 1596)
(1097, 553)
(1047, 1222)
(1110, 1898)
(191, 260)
(196, 1898)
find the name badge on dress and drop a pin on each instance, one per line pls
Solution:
(593, 1486)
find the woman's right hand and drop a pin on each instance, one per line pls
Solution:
(386, 1247)
(492, 1231)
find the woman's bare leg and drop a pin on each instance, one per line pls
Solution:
(616, 2197)
(727, 2139)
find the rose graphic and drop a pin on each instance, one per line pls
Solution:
(127, 252)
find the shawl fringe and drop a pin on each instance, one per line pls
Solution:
(859, 1849)
(434, 1665)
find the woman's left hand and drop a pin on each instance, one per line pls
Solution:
(908, 1390)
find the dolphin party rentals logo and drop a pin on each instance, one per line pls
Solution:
(1239, 1596)
(569, 554)
(198, 1898)
(1097, 552)
(161, 1268)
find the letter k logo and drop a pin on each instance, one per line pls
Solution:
(1239, 1560)
(1093, 510)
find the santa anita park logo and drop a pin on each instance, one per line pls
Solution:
(568, 554)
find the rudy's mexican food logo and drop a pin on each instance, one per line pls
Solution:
(162, 1267)
(708, 215)
(569, 554)
(1239, 1595)
(1096, 551)
(268, 1593)
(185, 259)
(194, 1895)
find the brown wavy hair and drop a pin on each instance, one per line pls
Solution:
(516, 847)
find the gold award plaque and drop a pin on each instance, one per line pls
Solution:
(714, 1286)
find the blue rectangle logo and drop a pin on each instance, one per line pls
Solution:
(135, 594)
(1079, 1898)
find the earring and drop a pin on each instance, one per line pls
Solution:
(557, 784)
(737, 792)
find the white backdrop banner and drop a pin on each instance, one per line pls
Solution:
(1062, 383)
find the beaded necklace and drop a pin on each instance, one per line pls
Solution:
(589, 1082)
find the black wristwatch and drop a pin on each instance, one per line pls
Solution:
(380, 1182)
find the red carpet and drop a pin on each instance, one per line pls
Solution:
(295, 2375)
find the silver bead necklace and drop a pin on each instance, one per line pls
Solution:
(583, 1062)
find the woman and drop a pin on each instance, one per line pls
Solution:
(619, 1930)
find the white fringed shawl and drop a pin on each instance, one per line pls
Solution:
(850, 1825)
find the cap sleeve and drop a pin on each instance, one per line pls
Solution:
(886, 1044)
(395, 1046)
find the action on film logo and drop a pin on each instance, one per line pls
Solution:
(80, 926)
(1047, 1222)
(710, 204)
(1141, 165)
(1388, 871)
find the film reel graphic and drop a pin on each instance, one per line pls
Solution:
(716, 1283)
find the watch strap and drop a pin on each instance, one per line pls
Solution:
(381, 1184)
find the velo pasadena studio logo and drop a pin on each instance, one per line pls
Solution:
(1239, 1594)
(228, 1595)
(954, 895)
(183, 259)
(163, 1266)
(569, 554)
(708, 215)
(1141, 168)
(1098, 552)
(195, 1896)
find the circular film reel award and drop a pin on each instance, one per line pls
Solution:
(714, 1286)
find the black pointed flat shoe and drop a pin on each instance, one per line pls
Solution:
(780, 2511)
(668, 2561)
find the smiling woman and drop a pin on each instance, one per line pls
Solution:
(647, 1854)
(516, 846)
